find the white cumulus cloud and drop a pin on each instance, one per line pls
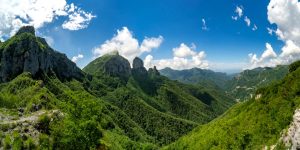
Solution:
(150, 43)
(268, 58)
(17, 13)
(76, 58)
(184, 57)
(148, 61)
(183, 51)
(290, 52)
(285, 14)
(78, 19)
(127, 45)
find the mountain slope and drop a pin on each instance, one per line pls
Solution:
(165, 109)
(25, 52)
(244, 85)
(254, 124)
(44, 104)
(97, 126)
(47, 102)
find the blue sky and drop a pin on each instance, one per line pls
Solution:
(225, 41)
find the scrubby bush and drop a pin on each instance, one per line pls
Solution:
(7, 142)
(29, 144)
(17, 141)
(44, 142)
(294, 66)
(43, 123)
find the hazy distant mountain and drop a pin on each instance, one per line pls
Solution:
(243, 85)
(197, 76)
(240, 86)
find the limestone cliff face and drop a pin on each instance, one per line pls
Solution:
(137, 63)
(109, 64)
(27, 53)
(291, 137)
(138, 67)
(117, 66)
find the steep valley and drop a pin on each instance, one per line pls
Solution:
(47, 102)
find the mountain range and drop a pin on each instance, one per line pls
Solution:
(240, 86)
(47, 102)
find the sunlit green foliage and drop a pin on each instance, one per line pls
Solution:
(83, 116)
(249, 125)
(164, 109)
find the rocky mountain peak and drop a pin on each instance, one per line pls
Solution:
(26, 29)
(117, 66)
(137, 63)
(110, 64)
(26, 53)
(153, 71)
(138, 67)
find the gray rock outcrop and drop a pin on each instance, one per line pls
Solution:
(138, 67)
(153, 71)
(28, 53)
(26, 29)
(291, 137)
(137, 63)
(117, 66)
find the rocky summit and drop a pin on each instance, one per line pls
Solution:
(117, 66)
(26, 29)
(137, 63)
(138, 67)
(25, 52)
(153, 71)
(110, 64)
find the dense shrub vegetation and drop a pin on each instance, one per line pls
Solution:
(253, 124)
(113, 106)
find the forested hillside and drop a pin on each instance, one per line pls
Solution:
(258, 123)
(48, 102)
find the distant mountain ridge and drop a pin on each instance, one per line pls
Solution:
(197, 75)
(240, 86)
(243, 86)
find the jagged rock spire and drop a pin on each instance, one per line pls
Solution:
(138, 67)
(137, 63)
(153, 71)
